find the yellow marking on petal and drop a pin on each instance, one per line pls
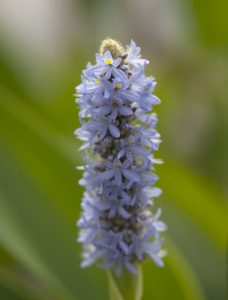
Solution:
(97, 80)
(108, 61)
(118, 86)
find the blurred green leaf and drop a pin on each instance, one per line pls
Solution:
(17, 282)
(35, 234)
(198, 198)
(176, 280)
(9, 294)
(42, 150)
(16, 237)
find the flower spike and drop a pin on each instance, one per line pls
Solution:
(120, 137)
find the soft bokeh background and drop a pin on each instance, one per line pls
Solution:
(44, 45)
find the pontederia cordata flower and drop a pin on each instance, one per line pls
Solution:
(119, 132)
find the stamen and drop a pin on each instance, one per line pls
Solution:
(118, 86)
(108, 61)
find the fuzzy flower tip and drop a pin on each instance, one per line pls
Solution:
(119, 132)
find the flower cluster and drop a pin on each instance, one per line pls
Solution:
(119, 134)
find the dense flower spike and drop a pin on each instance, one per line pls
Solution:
(119, 134)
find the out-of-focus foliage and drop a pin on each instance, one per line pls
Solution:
(42, 52)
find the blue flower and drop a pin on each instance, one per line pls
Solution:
(119, 132)
(101, 127)
(106, 66)
(134, 58)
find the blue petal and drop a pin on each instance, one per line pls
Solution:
(125, 110)
(131, 268)
(132, 176)
(106, 175)
(124, 247)
(114, 131)
(125, 214)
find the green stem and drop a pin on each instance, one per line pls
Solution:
(127, 286)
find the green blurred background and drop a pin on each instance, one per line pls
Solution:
(44, 45)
